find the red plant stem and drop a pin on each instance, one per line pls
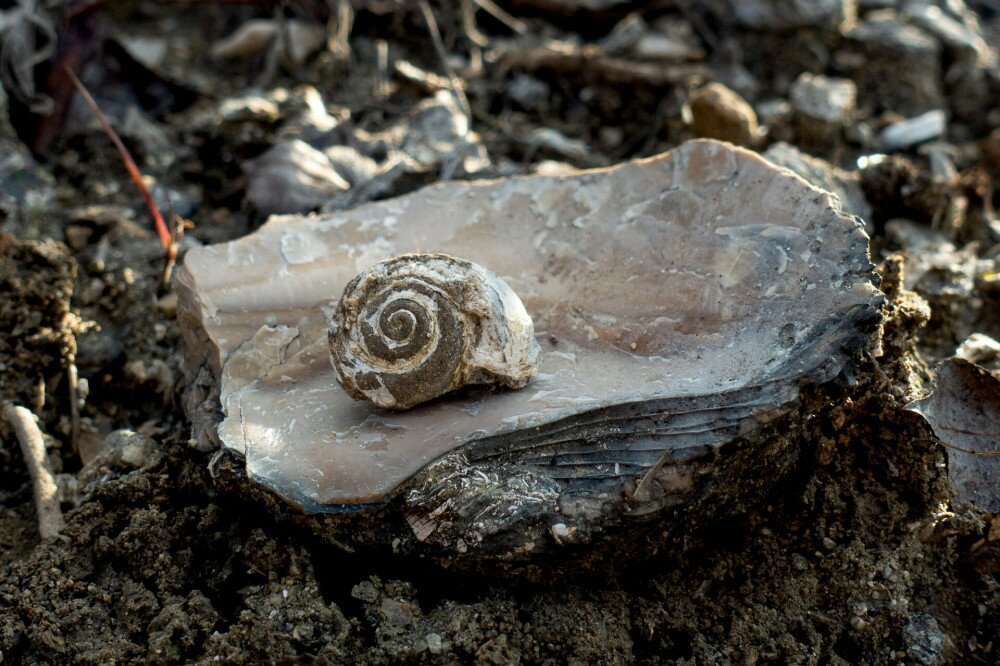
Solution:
(161, 227)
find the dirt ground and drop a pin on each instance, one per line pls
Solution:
(860, 556)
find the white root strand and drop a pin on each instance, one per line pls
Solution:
(50, 518)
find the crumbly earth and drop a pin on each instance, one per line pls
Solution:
(858, 556)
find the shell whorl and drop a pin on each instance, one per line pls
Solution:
(417, 326)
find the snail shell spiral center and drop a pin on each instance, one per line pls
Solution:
(417, 326)
(399, 324)
(400, 327)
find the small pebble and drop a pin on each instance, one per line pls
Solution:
(910, 132)
(923, 639)
(365, 591)
(823, 107)
(979, 348)
(719, 113)
(826, 99)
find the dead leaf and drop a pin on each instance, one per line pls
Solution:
(964, 412)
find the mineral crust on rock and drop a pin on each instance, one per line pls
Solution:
(680, 303)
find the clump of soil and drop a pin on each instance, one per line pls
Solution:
(39, 341)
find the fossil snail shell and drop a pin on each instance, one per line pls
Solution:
(414, 327)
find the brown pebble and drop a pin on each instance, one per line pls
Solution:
(719, 113)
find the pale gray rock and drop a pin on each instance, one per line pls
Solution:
(679, 302)
(774, 112)
(908, 133)
(528, 91)
(624, 35)
(924, 639)
(437, 133)
(26, 189)
(251, 107)
(352, 166)
(846, 186)
(823, 107)
(291, 177)
(935, 267)
(296, 39)
(434, 142)
(980, 349)
(123, 451)
(958, 31)
(308, 118)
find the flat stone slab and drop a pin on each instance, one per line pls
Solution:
(704, 275)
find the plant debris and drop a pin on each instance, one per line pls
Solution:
(964, 411)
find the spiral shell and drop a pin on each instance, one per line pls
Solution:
(417, 326)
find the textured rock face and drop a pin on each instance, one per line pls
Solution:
(679, 302)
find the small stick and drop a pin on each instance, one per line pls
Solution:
(50, 518)
(497, 12)
(469, 24)
(456, 84)
(382, 88)
(74, 407)
(339, 29)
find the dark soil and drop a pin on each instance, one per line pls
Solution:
(858, 556)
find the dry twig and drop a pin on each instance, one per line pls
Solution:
(382, 86)
(50, 518)
(339, 28)
(472, 32)
(497, 12)
(592, 61)
(74, 406)
(456, 84)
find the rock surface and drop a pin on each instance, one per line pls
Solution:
(823, 107)
(291, 177)
(823, 174)
(678, 301)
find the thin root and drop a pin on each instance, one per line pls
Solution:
(50, 518)
(497, 12)
(339, 28)
(74, 406)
